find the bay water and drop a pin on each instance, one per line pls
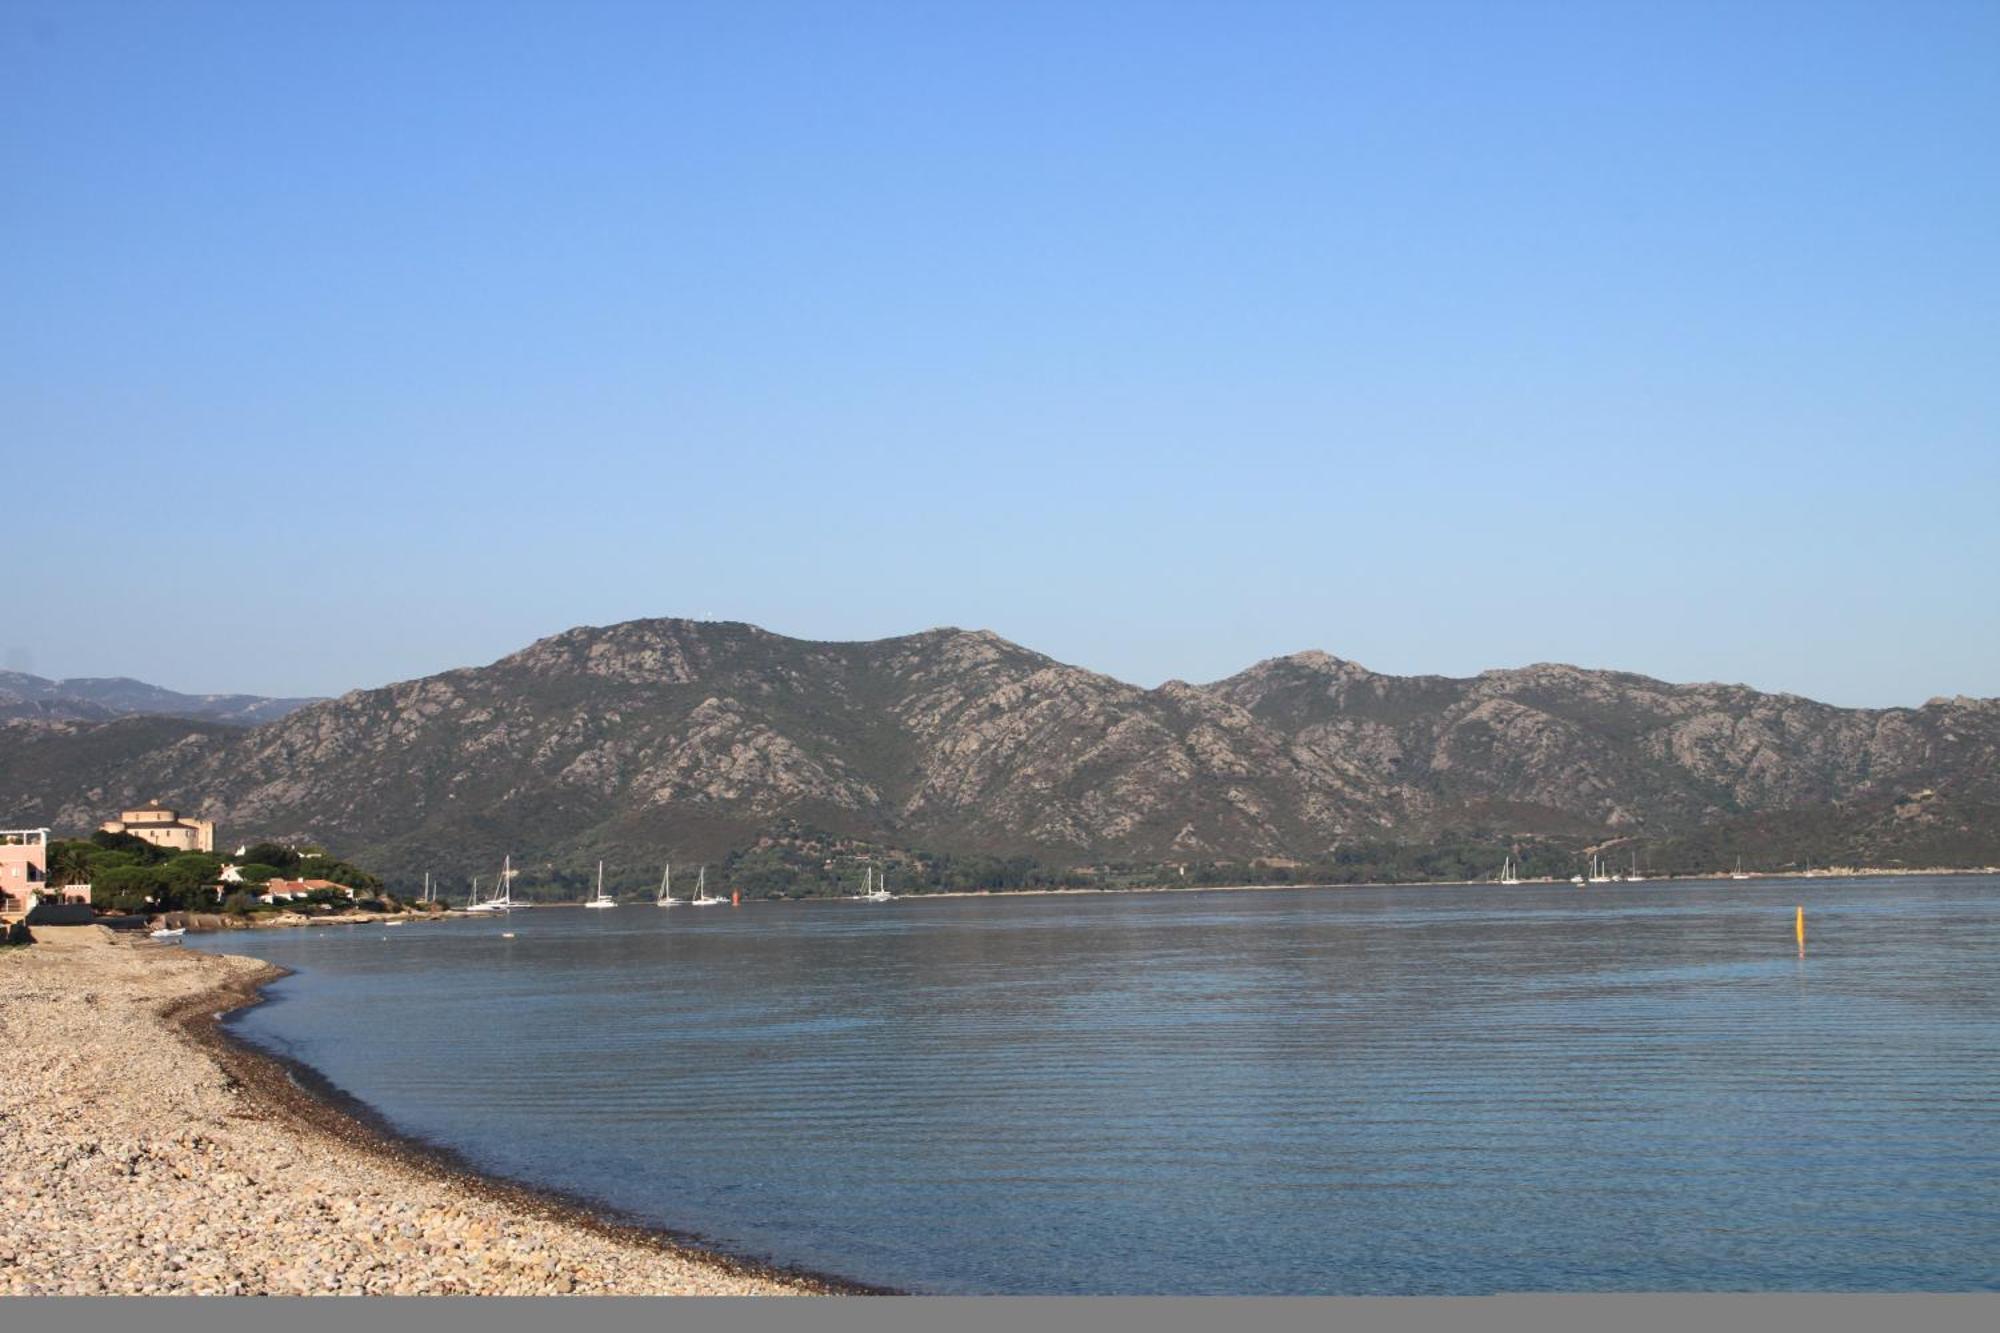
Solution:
(1356, 1090)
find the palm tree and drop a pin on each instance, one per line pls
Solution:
(70, 864)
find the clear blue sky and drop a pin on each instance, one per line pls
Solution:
(345, 343)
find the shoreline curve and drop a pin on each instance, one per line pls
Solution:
(249, 1173)
(309, 1097)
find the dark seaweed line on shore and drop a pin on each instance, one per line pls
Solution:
(296, 1090)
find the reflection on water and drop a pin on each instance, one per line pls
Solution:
(1356, 1091)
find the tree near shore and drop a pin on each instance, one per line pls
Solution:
(69, 863)
(129, 874)
(277, 856)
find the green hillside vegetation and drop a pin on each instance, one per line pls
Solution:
(1910, 832)
(129, 874)
(796, 862)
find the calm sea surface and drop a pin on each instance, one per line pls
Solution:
(1321, 1091)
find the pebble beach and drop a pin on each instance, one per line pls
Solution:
(148, 1154)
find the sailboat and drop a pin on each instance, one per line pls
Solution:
(1739, 872)
(1597, 875)
(666, 896)
(701, 898)
(1509, 875)
(601, 900)
(878, 893)
(503, 899)
(1635, 877)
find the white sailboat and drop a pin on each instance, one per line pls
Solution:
(1635, 877)
(1597, 875)
(601, 900)
(1739, 873)
(701, 898)
(873, 891)
(666, 896)
(503, 898)
(1508, 874)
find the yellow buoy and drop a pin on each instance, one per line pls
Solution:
(1801, 928)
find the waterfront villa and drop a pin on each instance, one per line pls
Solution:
(284, 890)
(164, 828)
(24, 866)
(24, 872)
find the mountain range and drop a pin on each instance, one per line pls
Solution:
(686, 738)
(98, 699)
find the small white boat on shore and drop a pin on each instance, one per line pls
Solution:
(165, 934)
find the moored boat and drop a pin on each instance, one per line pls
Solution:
(701, 895)
(503, 900)
(601, 900)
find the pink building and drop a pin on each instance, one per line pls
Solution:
(24, 866)
(24, 872)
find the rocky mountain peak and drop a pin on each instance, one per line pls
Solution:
(682, 737)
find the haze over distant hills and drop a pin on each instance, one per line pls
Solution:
(687, 738)
(97, 699)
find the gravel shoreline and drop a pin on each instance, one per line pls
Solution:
(148, 1153)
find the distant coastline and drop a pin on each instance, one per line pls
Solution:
(1545, 882)
(217, 923)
